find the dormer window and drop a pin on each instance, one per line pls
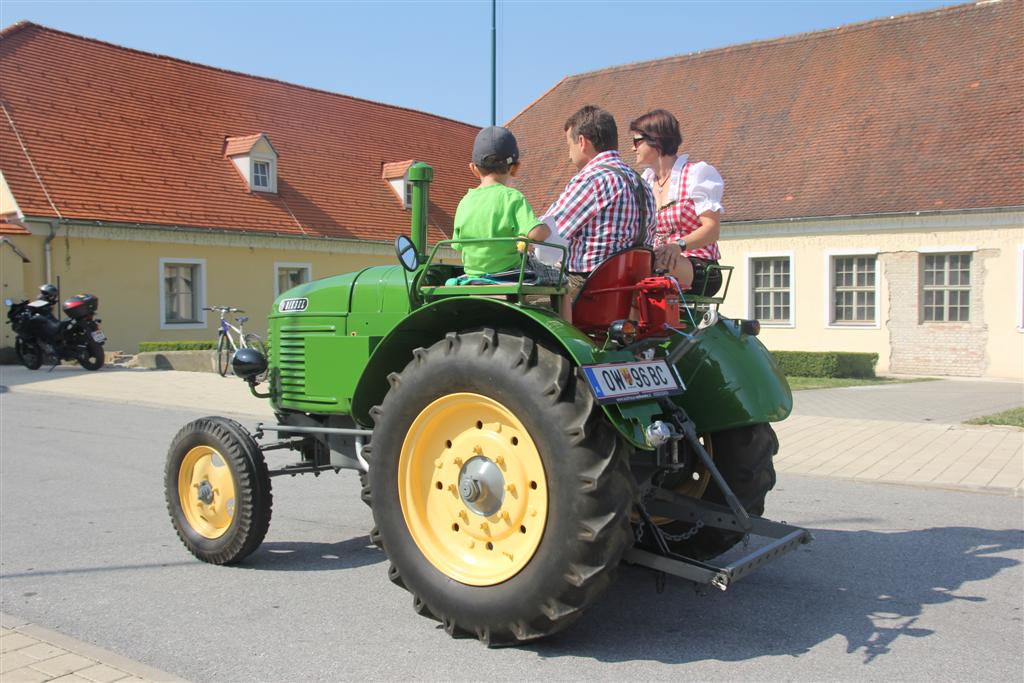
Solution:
(397, 175)
(261, 175)
(255, 159)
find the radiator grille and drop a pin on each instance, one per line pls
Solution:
(291, 357)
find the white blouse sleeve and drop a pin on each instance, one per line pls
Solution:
(705, 188)
(648, 176)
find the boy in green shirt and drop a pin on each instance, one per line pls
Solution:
(493, 209)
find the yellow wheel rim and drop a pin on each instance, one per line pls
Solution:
(206, 491)
(472, 488)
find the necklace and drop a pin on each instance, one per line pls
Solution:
(661, 183)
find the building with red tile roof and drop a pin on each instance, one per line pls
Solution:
(886, 152)
(122, 136)
(232, 177)
(819, 124)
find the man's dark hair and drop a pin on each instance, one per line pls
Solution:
(661, 128)
(596, 125)
(491, 165)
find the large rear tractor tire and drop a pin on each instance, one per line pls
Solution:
(218, 490)
(744, 458)
(500, 493)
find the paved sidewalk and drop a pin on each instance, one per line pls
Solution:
(907, 434)
(31, 654)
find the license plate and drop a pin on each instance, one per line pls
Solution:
(621, 382)
(98, 337)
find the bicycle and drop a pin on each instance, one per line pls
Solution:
(227, 344)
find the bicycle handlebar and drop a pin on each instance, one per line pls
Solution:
(224, 309)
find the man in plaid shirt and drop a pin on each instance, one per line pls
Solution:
(606, 207)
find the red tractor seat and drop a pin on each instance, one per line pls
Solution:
(608, 293)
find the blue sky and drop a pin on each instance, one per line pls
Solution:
(435, 56)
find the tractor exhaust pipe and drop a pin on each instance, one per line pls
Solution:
(420, 175)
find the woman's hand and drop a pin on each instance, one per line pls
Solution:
(667, 257)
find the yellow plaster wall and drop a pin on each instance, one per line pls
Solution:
(811, 332)
(1004, 289)
(12, 279)
(126, 277)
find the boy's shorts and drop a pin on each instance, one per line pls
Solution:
(573, 285)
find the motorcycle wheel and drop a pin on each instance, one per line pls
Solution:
(91, 357)
(29, 353)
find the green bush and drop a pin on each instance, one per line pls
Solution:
(825, 363)
(176, 346)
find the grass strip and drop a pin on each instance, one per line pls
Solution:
(803, 383)
(1014, 417)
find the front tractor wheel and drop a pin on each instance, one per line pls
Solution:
(218, 490)
(500, 493)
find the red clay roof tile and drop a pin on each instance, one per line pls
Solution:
(395, 169)
(121, 135)
(12, 229)
(241, 145)
(915, 113)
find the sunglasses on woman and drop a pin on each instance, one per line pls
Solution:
(637, 139)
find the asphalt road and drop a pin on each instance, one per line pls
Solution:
(900, 584)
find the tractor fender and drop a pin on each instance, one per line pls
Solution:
(731, 380)
(430, 323)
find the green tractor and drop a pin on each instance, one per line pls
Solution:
(512, 460)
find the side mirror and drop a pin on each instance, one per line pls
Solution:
(248, 364)
(408, 256)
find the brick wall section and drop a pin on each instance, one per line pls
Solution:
(933, 348)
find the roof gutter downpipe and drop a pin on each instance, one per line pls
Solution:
(48, 252)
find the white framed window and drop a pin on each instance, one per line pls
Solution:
(261, 174)
(264, 175)
(288, 275)
(945, 287)
(853, 289)
(408, 194)
(770, 292)
(182, 294)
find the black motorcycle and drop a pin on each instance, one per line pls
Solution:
(41, 337)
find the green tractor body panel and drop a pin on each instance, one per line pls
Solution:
(320, 346)
(731, 380)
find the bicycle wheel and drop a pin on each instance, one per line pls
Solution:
(252, 340)
(223, 355)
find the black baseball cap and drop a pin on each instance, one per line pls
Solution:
(496, 145)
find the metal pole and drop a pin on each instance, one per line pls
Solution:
(494, 62)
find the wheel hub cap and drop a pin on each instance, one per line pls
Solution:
(206, 493)
(482, 486)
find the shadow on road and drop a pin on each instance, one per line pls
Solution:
(868, 587)
(303, 557)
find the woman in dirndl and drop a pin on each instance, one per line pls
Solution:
(689, 200)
